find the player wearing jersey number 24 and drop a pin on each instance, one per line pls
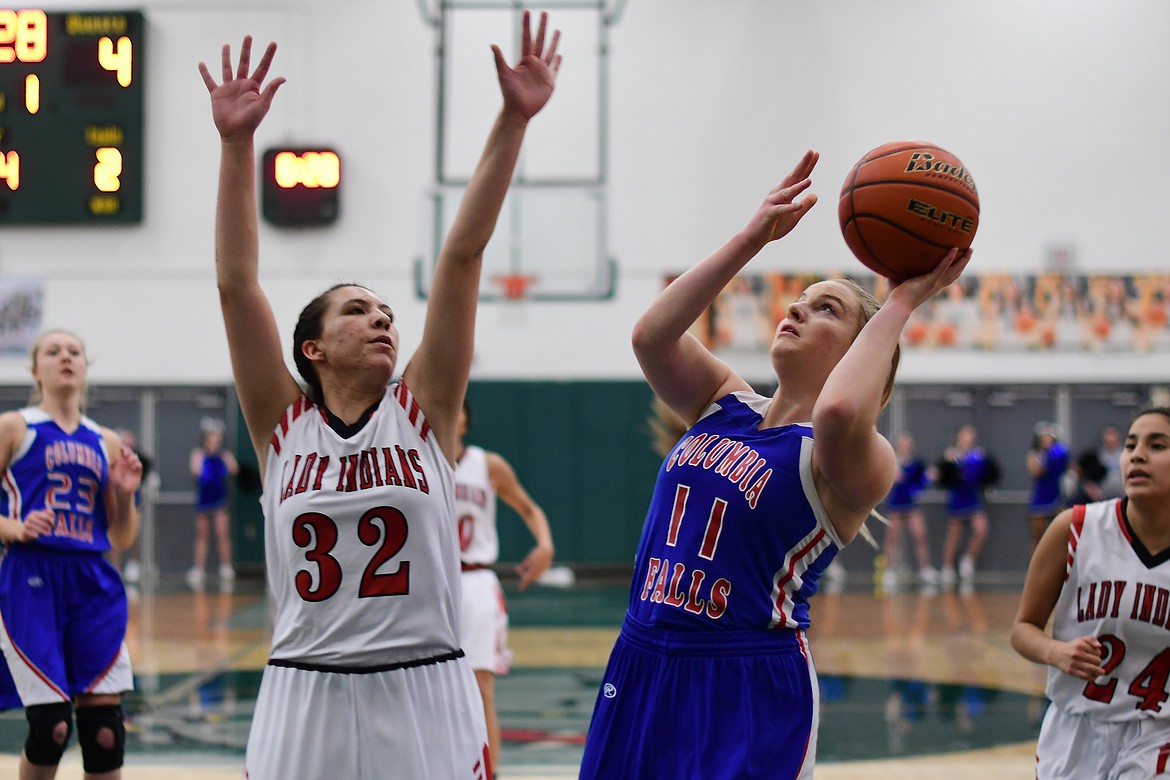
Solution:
(1102, 573)
(365, 678)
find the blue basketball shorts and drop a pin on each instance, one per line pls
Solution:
(709, 706)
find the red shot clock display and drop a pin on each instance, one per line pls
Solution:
(301, 186)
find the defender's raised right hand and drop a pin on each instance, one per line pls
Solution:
(239, 104)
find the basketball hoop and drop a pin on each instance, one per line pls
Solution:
(515, 285)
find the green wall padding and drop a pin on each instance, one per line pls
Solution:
(582, 450)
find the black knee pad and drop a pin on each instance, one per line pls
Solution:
(43, 719)
(95, 757)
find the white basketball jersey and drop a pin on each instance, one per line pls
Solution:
(475, 509)
(1115, 590)
(362, 555)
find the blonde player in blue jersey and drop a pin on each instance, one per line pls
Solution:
(711, 675)
(68, 497)
(1102, 574)
(365, 679)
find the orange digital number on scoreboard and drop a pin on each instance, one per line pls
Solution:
(23, 35)
(108, 169)
(10, 170)
(117, 58)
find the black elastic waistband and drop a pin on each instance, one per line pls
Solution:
(307, 666)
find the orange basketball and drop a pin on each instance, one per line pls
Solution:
(904, 205)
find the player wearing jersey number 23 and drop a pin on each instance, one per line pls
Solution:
(68, 499)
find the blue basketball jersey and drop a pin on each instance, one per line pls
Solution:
(967, 495)
(65, 473)
(911, 480)
(211, 486)
(735, 537)
(63, 605)
(1046, 494)
(711, 676)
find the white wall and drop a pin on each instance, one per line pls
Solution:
(1061, 110)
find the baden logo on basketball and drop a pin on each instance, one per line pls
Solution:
(925, 162)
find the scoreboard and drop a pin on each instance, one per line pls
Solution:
(71, 98)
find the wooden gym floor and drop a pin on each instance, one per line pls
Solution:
(914, 685)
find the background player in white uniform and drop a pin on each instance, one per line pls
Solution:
(1105, 570)
(480, 476)
(68, 497)
(366, 679)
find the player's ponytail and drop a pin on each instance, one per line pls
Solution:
(869, 307)
(666, 427)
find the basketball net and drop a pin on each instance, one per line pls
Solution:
(515, 286)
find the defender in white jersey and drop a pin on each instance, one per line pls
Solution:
(363, 570)
(1102, 573)
(366, 680)
(480, 477)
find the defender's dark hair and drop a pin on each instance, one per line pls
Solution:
(308, 327)
(1162, 410)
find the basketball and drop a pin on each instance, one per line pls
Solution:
(904, 205)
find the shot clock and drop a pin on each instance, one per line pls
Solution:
(301, 186)
(71, 97)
